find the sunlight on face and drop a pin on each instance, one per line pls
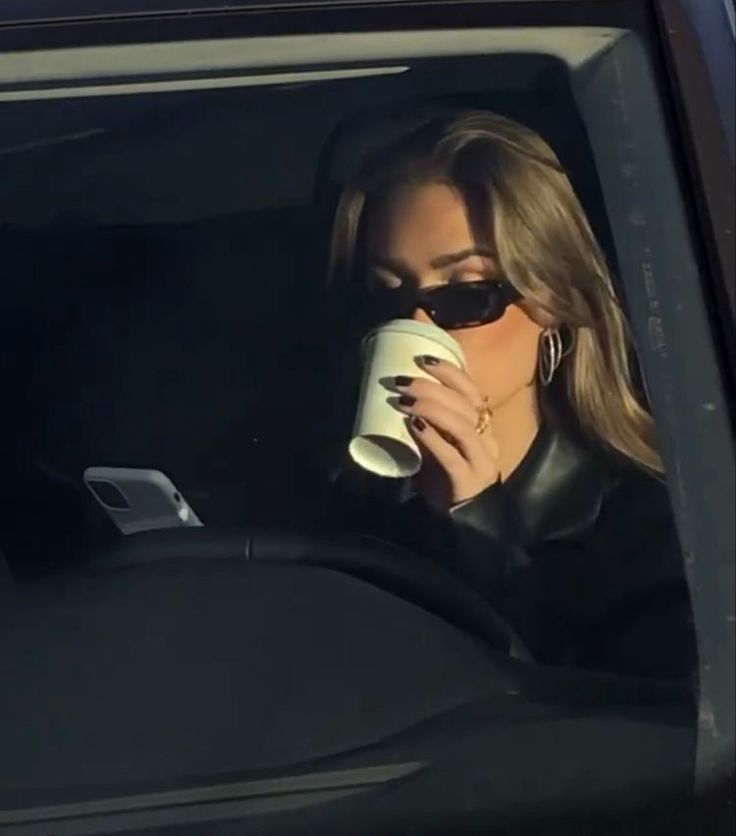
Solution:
(422, 235)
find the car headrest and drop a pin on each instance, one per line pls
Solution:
(354, 139)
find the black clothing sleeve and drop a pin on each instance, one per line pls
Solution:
(612, 597)
(587, 570)
(485, 545)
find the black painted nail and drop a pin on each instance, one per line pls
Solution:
(407, 400)
(419, 423)
(403, 380)
(428, 360)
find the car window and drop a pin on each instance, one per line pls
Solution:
(193, 227)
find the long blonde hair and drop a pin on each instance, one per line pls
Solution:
(519, 196)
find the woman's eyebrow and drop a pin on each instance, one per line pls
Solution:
(455, 258)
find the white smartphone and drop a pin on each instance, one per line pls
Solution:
(138, 499)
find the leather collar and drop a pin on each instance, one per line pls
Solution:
(559, 486)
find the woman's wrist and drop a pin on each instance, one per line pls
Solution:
(462, 502)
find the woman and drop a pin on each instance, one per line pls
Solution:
(541, 483)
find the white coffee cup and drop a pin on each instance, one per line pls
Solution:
(382, 442)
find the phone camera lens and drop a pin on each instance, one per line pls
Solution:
(109, 495)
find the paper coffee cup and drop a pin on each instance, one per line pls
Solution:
(382, 442)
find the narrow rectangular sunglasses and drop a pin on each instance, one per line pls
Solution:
(451, 306)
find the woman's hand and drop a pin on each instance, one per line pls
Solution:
(458, 462)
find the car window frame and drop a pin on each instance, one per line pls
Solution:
(693, 131)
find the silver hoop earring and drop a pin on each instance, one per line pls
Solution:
(550, 355)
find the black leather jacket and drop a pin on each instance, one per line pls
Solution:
(579, 553)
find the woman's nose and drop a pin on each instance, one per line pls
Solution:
(420, 315)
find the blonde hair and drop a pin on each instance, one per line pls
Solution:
(520, 197)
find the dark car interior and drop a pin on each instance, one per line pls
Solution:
(164, 306)
(198, 341)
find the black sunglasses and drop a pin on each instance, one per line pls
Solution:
(450, 306)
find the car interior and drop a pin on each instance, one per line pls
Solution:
(165, 306)
(168, 312)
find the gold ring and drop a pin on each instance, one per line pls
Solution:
(485, 413)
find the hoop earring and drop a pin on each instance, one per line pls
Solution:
(550, 355)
